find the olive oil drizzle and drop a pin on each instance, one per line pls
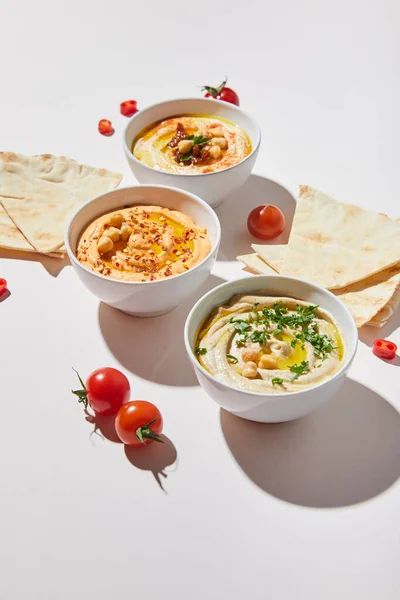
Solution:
(182, 247)
(276, 321)
(163, 141)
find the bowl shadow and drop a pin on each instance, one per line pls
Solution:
(153, 348)
(233, 213)
(155, 458)
(346, 452)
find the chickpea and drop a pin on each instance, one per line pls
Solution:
(220, 141)
(250, 370)
(215, 152)
(112, 233)
(281, 348)
(216, 132)
(249, 354)
(185, 146)
(125, 231)
(115, 220)
(267, 362)
(104, 245)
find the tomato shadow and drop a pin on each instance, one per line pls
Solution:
(155, 458)
(395, 361)
(233, 213)
(153, 348)
(103, 427)
(344, 453)
(5, 295)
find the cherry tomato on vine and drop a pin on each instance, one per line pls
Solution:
(222, 93)
(128, 108)
(139, 423)
(384, 349)
(266, 222)
(106, 390)
(105, 127)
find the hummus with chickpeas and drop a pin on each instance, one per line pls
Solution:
(142, 243)
(192, 144)
(270, 345)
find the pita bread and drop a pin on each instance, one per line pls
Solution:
(12, 239)
(256, 264)
(367, 298)
(372, 300)
(383, 316)
(40, 192)
(272, 254)
(10, 236)
(336, 244)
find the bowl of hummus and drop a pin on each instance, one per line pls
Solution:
(205, 146)
(143, 249)
(270, 348)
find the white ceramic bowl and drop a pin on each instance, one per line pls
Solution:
(271, 408)
(212, 187)
(152, 298)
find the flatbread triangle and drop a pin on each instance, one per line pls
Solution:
(39, 193)
(12, 239)
(336, 244)
(372, 301)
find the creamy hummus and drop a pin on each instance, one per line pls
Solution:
(270, 345)
(142, 243)
(192, 144)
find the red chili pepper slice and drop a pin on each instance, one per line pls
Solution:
(128, 108)
(3, 286)
(384, 349)
(105, 127)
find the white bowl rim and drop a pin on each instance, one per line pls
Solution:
(267, 396)
(197, 199)
(212, 101)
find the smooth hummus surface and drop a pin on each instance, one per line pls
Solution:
(142, 243)
(270, 345)
(192, 144)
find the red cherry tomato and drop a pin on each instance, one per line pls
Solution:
(222, 93)
(266, 222)
(384, 349)
(106, 391)
(128, 108)
(3, 286)
(105, 127)
(139, 423)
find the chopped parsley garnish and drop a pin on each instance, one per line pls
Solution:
(232, 358)
(255, 315)
(260, 336)
(322, 344)
(262, 322)
(277, 380)
(199, 351)
(242, 340)
(241, 326)
(198, 140)
(300, 369)
(280, 310)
